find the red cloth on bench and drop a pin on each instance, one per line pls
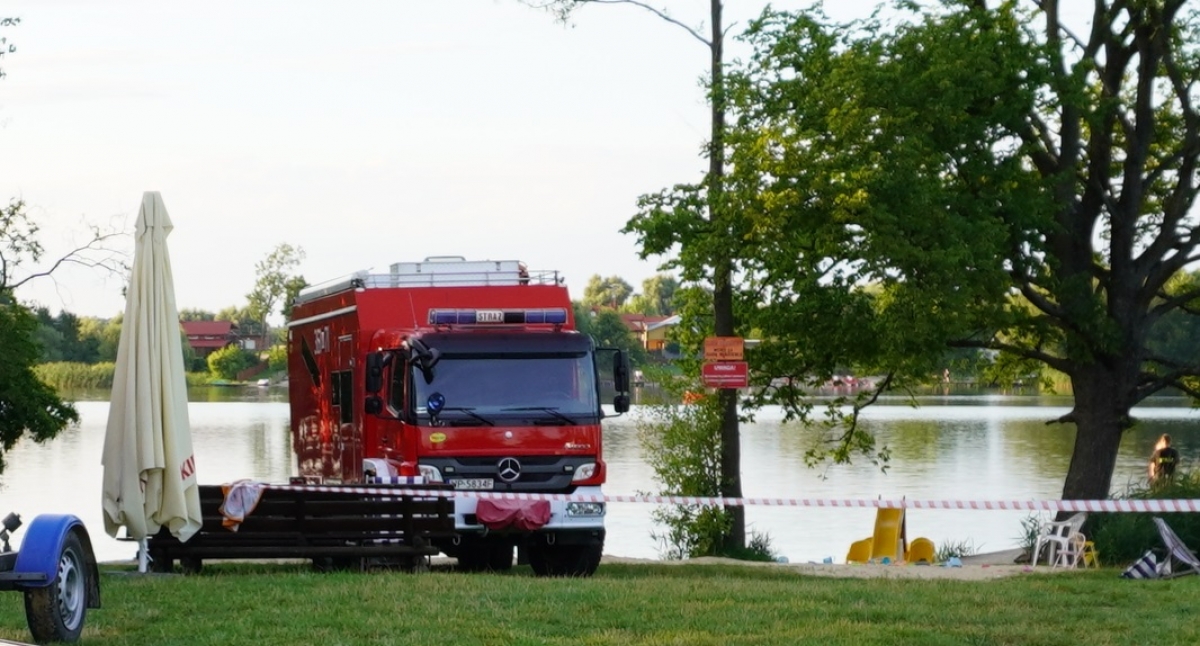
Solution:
(525, 515)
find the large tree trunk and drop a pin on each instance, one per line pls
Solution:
(723, 320)
(1100, 417)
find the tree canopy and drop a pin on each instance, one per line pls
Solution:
(606, 292)
(966, 177)
(27, 405)
(274, 281)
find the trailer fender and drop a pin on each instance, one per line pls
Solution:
(42, 546)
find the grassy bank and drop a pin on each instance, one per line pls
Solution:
(626, 605)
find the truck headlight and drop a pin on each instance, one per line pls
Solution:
(431, 474)
(585, 509)
(584, 472)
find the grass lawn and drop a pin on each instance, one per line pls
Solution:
(626, 605)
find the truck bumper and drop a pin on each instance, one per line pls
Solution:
(564, 516)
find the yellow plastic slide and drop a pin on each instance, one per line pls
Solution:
(888, 541)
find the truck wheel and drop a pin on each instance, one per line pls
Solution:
(500, 556)
(565, 560)
(473, 557)
(485, 555)
(55, 612)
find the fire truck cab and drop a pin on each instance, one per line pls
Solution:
(469, 374)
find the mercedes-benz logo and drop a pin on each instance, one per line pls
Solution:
(509, 469)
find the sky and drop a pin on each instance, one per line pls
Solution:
(363, 132)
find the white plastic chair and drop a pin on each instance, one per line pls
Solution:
(1057, 535)
(1071, 555)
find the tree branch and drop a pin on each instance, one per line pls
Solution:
(563, 11)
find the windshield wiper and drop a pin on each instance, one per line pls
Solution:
(471, 412)
(545, 409)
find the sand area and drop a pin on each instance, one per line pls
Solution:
(979, 567)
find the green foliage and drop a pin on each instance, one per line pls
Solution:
(957, 549)
(1121, 538)
(65, 375)
(291, 289)
(104, 335)
(608, 330)
(227, 362)
(274, 282)
(277, 358)
(682, 444)
(196, 315)
(28, 407)
(19, 244)
(611, 292)
(242, 317)
(197, 378)
(758, 548)
(6, 46)
(657, 297)
(1031, 528)
(891, 187)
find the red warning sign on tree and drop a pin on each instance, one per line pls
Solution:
(723, 348)
(725, 374)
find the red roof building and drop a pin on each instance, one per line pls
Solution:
(650, 330)
(206, 337)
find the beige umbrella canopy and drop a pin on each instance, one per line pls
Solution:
(149, 467)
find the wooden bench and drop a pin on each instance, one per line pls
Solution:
(336, 529)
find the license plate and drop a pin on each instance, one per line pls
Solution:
(473, 483)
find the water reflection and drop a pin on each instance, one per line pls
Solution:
(969, 448)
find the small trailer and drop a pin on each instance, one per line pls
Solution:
(57, 571)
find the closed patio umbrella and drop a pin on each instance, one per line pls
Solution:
(149, 467)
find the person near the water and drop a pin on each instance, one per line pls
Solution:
(1163, 460)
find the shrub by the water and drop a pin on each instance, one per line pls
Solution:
(230, 360)
(65, 375)
(1121, 538)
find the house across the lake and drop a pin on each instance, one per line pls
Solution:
(650, 330)
(206, 337)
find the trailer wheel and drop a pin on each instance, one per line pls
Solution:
(55, 612)
(565, 560)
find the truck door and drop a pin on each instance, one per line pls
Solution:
(348, 448)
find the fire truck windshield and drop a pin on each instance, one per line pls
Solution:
(557, 387)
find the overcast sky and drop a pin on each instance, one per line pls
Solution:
(364, 132)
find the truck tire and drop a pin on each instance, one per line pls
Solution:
(56, 612)
(565, 560)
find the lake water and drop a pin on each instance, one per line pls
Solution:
(956, 447)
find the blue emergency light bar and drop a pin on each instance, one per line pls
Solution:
(548, 316)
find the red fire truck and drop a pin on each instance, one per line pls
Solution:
(466, 373)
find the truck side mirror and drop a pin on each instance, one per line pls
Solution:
(376, 361)
(373, 405)
(621, 403)
(621, 381)
(425, 357)
(621, 371)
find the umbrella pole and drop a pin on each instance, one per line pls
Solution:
(143, 556)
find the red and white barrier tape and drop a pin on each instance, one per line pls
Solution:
(1141, 506)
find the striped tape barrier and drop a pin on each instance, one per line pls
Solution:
(1136, 506)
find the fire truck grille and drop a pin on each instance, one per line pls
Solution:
(514, 473)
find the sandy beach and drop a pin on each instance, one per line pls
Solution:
(980, 567)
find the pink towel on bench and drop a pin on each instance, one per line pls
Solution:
(241, 497)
